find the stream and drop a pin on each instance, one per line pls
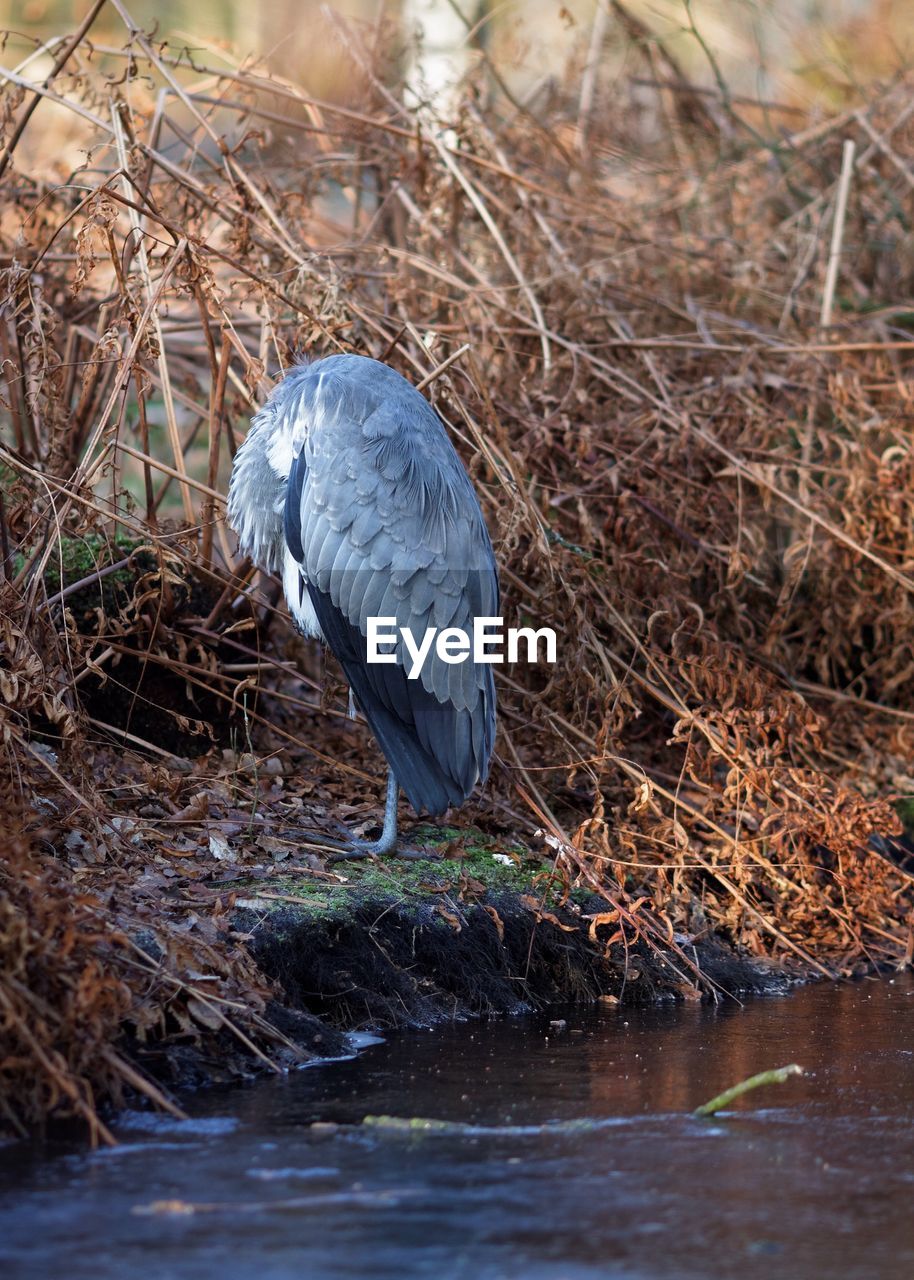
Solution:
(571, 1153)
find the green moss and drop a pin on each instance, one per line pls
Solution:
(472, 871)
(74, 558)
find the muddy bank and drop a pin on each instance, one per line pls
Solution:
(465, 933)
(407, 944)
(383, 961)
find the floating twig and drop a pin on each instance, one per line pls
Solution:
(778, 1076)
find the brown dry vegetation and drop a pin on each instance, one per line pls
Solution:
(708, 495)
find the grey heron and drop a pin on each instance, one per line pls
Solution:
(348, 487)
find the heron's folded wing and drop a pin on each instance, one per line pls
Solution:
(384, 520)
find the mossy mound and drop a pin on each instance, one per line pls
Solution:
(410, 943)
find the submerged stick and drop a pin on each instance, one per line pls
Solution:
(777, 1076)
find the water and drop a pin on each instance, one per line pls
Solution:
(814, 1178)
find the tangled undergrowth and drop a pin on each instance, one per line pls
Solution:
(673, 345)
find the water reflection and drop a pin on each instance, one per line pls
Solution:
(811, 1179)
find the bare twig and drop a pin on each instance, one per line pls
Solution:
(777, 1076)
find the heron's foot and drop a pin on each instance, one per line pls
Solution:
(378, 849)
(346, 845)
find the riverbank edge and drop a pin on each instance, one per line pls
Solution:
(382, 963)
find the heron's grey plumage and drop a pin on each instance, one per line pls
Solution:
(348, 483)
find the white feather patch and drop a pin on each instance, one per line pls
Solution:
(298, 600)
(281, 453)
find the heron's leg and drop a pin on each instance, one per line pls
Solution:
(388, 840)
(387, 844)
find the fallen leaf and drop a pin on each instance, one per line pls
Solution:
(549, 916)
(219, 848)
(451, 917)
(497, 921)
(205, 1014)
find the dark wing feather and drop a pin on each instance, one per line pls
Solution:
(384, 521)
(392, 709)
(292, 509)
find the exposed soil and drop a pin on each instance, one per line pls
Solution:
(393, 961)
(399, 945)
(469, 931)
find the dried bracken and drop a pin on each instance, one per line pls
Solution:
(709, 496)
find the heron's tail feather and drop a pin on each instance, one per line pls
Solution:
(430, 745)
(427, 787)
